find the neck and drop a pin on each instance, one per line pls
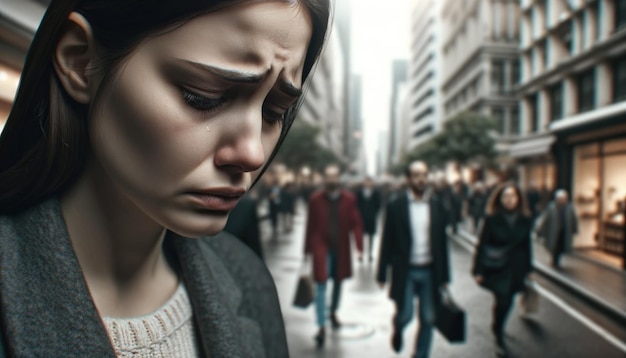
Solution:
(418, 193)
(117, 246)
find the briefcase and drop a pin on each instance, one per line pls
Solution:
(304, 292)
(451, 320)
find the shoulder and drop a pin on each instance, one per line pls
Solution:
(348, 195)
(316, 195)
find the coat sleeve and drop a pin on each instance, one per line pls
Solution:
(483, 238)
(385, 245)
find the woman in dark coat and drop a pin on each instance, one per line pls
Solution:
(504, 258)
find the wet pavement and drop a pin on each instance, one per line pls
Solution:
(366, 312)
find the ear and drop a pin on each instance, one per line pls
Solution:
(72, 56)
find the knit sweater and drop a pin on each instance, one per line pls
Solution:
(167, 332)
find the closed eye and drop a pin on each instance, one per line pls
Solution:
(272, 116)
(202, 103)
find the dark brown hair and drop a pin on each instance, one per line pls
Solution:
(45, 144)
(494, 204)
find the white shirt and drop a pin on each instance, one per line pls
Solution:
(419, 217)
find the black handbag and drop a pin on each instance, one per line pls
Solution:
(451, 320)
(304, 292)
(494, 257)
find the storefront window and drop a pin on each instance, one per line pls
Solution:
(613, 195)
(600, 194)
(586, 187)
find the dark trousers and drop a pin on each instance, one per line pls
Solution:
(559, 247)
(501, 309)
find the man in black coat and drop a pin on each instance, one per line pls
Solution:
(415, 245)
(368, 200)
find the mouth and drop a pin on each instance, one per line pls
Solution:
(219, 199)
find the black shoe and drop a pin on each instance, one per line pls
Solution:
(319, 338)
(396, 341)
(334, 321)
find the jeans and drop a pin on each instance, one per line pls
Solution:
(320, 292)
(419, 283)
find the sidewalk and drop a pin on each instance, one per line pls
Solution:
(600, 286)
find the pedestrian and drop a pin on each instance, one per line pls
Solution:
(477, 203)
(137, 127)
(503, 257)
(558, 225)
(274, 197)
(368, 199)
(415, 246)
(534, 197)
(333, 216)
(243, 223)
(288, 200)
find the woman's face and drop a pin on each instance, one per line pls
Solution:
(193, 114)
(509, 198)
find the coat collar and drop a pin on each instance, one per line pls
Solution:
(41, 285)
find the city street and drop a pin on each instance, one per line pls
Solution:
(366, 314)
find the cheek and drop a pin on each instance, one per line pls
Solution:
(144, 133)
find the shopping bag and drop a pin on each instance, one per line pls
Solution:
(530, 297)
(304, 292)
(451, 319)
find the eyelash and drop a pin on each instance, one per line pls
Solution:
(202, 103)
(205, 104)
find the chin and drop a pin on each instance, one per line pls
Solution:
(196, 228)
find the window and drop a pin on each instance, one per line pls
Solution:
(556, 102)
(515, 72)
(515, 123)
(498, 115)
(565, 36)
(534, 113)
(620, 14)
(619, 80)
(497, 77)
(546, 54)
(586, 90)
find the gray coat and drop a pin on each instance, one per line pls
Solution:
(47, 311)
(548, 227)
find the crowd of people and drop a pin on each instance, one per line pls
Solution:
(417, 218)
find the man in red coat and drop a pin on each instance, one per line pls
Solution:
(332, 215)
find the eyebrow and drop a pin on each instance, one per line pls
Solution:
(245, 77)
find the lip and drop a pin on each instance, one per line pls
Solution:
(216, 199)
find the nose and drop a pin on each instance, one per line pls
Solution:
(241, 147)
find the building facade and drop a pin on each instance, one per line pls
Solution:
(397, 126)
(573, 100)
(425, 72)
(481, 67)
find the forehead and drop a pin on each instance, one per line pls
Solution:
(418, 168)
(331, 171)
(509, 190)
(254, 36)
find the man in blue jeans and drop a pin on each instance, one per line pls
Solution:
(415, 246)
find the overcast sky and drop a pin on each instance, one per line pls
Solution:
(380, 34)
